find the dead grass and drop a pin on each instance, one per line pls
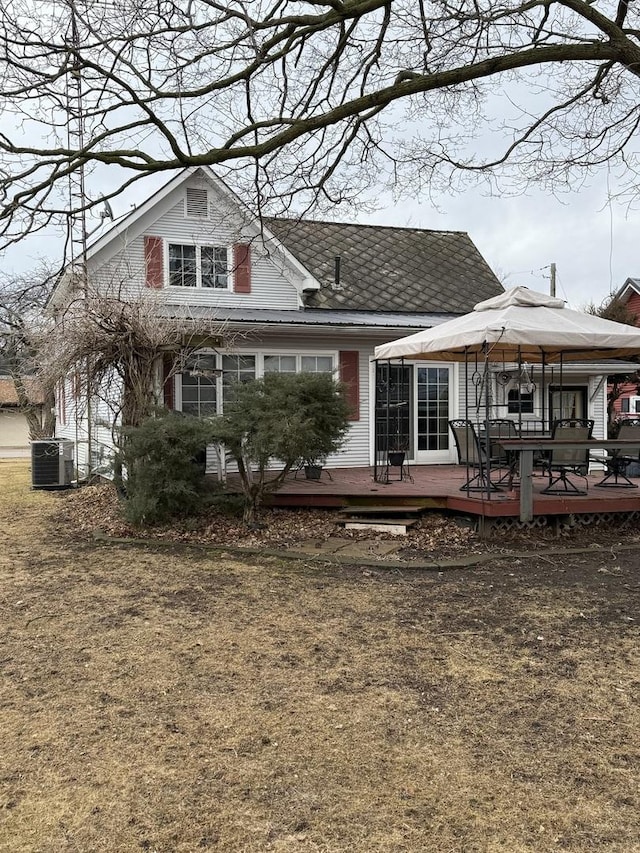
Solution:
(173, 702)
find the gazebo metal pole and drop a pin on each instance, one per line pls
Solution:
(544, 389)
(519, 391)
(376, 391)
(487, 421)
(387, 428)
(466, 409)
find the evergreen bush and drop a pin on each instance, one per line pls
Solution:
(163, 460)
(273, 424)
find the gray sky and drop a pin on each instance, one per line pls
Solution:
(593, 243)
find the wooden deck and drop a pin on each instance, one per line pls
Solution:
(438, 487)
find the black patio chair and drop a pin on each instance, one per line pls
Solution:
(500, 428)
(474, 455)
(618, 461)
(563, 461)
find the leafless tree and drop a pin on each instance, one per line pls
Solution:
(309, 101)
(120, 350)
(22, 301)
(611, 308)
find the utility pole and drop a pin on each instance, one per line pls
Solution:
(552, 285)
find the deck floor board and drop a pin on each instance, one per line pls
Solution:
(438, 487)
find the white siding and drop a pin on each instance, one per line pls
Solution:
(356, 449)
(273, 281)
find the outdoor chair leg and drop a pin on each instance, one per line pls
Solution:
(616, 469)
(568, 487)
(480, 482)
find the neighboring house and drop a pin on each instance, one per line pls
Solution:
(14, 429)
(300, 296)
(627, 401)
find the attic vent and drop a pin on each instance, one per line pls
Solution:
(197, 202)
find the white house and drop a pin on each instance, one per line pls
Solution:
(304, 295)
(14, 427)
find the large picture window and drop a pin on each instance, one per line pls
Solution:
(236, 368)
(207, 377)
(198, 266)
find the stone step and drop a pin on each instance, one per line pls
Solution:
(397, 526)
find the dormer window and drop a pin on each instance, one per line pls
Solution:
(198, 266)
(197, 203)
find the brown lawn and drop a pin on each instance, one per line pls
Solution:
(173, 700)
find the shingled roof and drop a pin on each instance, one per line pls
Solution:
(8, 396)
(387, 268)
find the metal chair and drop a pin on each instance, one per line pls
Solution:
(503, 428)
(472, 454)
(617, 461)
(564, 461)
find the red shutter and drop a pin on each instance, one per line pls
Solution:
(153, 262)
(168, 382)
(62, 402)
(350, 376)
(242, 268)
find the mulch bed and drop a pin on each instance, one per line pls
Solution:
(97, 508)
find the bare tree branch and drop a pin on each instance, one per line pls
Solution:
(302, 90)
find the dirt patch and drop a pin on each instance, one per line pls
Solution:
(173, 701)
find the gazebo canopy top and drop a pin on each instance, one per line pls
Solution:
(519, 325)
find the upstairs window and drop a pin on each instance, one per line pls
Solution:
(198, 266)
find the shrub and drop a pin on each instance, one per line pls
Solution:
(164, 463)
(272, 424)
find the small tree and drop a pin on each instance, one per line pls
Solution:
(272, 424)
(22, 301)
(163, 465)
(611, 308)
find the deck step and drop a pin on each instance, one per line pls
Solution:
(379, 509)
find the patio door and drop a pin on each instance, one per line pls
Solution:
(413, 407)
(433, 391)
(568, 402)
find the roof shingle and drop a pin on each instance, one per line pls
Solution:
(387, 269)
(8, 396)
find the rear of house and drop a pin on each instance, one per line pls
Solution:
(285, 295)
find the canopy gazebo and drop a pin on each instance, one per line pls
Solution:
(514, 330)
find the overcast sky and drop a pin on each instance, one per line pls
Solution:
(594, 244)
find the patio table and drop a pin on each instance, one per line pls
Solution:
(527, 447)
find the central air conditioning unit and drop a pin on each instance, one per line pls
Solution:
(52, 463)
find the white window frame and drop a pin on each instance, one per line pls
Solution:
(198, 285)
(178, 384)
(259, 356)
(299, 355)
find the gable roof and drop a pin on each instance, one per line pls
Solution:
(110, 237)
(386, 268)
(382, 268)
(8, 396)
(630, 286)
